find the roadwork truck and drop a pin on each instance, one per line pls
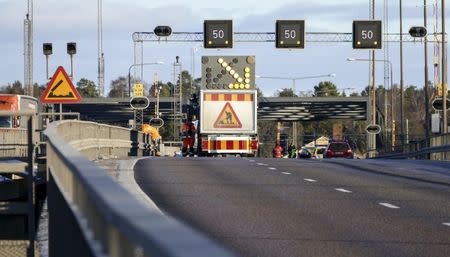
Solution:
(228, 106)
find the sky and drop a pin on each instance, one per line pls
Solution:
(62, 21)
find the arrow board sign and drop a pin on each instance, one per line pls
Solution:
(228, 72)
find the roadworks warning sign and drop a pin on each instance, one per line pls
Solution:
(60, 89)
(227, 118)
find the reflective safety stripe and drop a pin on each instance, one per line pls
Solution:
(228, 97)
(228, 145)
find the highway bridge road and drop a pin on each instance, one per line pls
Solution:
(283, 207)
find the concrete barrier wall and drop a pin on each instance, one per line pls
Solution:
(91, 215)
(13, 142)
(102, 141)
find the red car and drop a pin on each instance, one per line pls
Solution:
(338, 150)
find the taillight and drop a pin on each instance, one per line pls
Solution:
(349, 151)
(205, 144)
(254, 145)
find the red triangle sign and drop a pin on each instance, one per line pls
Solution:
(60, 89)
(227, 118)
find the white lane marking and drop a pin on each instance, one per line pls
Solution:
(286, 173)
(252, 160)
(343, 190)
(261, 164)
(272, 168)
(310, 180)
(446, 224)
(388, 205)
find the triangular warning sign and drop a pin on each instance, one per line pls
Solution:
(60, 89)
(227, 118)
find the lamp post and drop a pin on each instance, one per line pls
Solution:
(402, 109)
(385, 96)
(138, 64)
(294, 79)
(444, 71)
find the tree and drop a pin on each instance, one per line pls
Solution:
(259, 92)
(365, 92)
(325, 88)
(87, 88)
(164, 92)
(188, 85)
(14, 88)
(38, 90)
(119, 87)
(286, 92)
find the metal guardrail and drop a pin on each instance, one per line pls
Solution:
(91, 215)
(432, 148)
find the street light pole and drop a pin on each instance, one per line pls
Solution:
(134, 65)
(425, 49)
(402, 110)
(294, 124)
(444, 71)
(385, 96)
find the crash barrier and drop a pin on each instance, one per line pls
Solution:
(433, 148)
(91, 215)
(17, 201)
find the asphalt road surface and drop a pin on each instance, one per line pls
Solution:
(313, 208)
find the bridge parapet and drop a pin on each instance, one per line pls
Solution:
(91, 215)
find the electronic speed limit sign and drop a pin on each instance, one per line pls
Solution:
(290, 34)
(367, 34)
(218, 34)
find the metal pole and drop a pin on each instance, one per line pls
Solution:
(71, 67)
(373, 92)
(293, 87)
(427, 97)
(278, 133)
(402, 114)
(392, 109)
(444, 71)
(46, 66)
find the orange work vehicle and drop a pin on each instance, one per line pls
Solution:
(15, 103)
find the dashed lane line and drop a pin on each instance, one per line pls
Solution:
(261, 164)
(343, 190)
(310, 180)
(272, 168)
(286, 173)
(388, 205)
(446, 224)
